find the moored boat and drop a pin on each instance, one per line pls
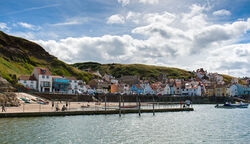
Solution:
(228, 105)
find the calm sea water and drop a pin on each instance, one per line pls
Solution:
(204, 125)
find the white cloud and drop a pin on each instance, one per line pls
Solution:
(72, 21)
(105, 48)
(149, 1)
(186, 40)
(127, 2)
(222, 12)
(233, 59)
(29, 26)
(4, 26)
(116, 19)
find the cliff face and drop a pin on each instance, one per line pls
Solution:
(5, 86)
(19, 56)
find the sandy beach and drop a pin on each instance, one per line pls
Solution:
(72, 106)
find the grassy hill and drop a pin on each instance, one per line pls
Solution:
(228, 79)
(19, 56)
(141, 70)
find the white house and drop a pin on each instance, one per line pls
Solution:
(147, 89)
(193, 91)
(29, 82)
(234, 90)
(44, 79)
(74, 85)
(166, 90)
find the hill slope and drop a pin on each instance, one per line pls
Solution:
(19, 56)
(141, 70)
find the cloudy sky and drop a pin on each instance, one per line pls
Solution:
(188, 34)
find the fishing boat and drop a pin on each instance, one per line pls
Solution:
(228, 105)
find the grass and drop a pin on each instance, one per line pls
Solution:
(145, 71)
(19, 57)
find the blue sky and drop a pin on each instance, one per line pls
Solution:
(177, 33)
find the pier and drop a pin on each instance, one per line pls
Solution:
(90, 112)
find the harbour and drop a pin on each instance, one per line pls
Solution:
(225, 126)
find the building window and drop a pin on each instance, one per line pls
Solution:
(24, 82)
(43, 76)
(31, 82)
(47, 77)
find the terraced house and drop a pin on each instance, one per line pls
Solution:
(44, 79)
(239, 90)
(29, 82)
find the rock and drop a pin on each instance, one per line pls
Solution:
(5, 86)
(9, 99)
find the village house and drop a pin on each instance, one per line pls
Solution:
(191, 90)
(220, 90)
(44, 79)
(215, 77)
(99, 85)
(201, 73)
(82, 87)
(166, 90)
(73, 85)
(177, 87)
(114, 88)
(60, 84)
(136, 89)
(162, 77)
(107, 77)
(239, 90)
(157, 87)
(210, 91)
(129, 80)
(147, 89)
(29, 82)
(125, 88)
(234, 81)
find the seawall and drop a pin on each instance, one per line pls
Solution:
(133, 98)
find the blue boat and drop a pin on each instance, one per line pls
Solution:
(228, 105)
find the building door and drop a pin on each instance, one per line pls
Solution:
(46, 89)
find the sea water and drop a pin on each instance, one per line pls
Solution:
(205, 124)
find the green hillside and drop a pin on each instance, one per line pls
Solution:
(145, 71)
(19, 56)
(228, 79)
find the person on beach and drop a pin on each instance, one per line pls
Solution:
(64, 108)
(57, 107)
(52, 103)
(180, 104)
(188, 102)
(66, 103)
(3, 108)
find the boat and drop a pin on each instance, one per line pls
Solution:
(130, 106)
(228, 105)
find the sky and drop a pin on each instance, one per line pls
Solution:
(187, 34)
